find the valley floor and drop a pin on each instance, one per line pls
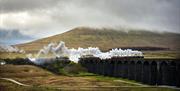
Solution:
(43, 80)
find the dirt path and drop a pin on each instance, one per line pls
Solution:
(133, 83)
(14, 81)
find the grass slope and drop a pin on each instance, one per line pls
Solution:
(107, 39)
(42, 80)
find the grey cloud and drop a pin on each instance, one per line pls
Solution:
(157, 13)
(25, 5)
(61, 15)
(9, 36)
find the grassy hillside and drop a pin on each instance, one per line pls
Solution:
(107, 39)
(36, 76)
(42, 80)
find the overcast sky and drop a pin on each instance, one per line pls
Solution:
(42, 18)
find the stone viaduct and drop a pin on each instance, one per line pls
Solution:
(148, 71)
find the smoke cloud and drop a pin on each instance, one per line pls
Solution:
(74, 54)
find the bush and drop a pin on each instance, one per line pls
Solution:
(55, 66)
(64, 68)
(18, 61)
(74, 68)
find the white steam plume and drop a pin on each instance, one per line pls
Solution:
(74, 54)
